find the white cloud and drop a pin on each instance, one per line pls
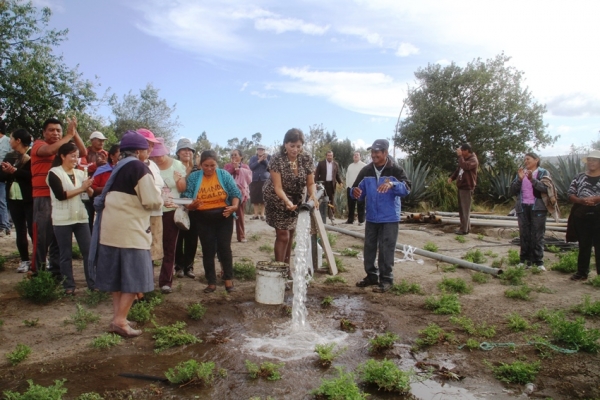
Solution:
(371, 37)
(379, 120)
(406, 49)
(261, 95)
(281, 25)
(574, 105)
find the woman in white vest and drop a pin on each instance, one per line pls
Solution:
(68, 187)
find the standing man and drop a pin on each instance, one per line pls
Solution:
(259, 165)
(382, 183)
(96, 157)
(466, 180)
(351, 174)
(42, 155)
(4, 149)
(328, 172)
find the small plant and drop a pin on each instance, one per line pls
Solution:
(432, 335)
(82, 318)
(573, 333)
(498, 263)
(448, 267)
(244, 271)
(513, 276)
(516, 372)
(520, 293)
(327, 302)
(347, 326)
(142, 310)
(490, 253)
(171, 335)
(460, 239)
(404, 287)
(342, 387)
(383, 342)
(430, 246)
(332, 238)
(327, 354)
(332, 280)
(553, 249)
(475, 256)
(386, 375)
(454, 285)
(358, 246)
(567, 262)
(267, 248)
(472, 344)
(472, 329)
(106, 340)
(594, 282)
(92, 298)
(255, 237)
(514, 234)
(541, 288)
(266, 370)
(31, 322)
(20, 353)
(76, 253)
(191, 371)
(480, 236)
(445, 304)
(196, 311)
(89, 396)
(40, 289)
(35, 392)
(338, 263)
(2, 261)
(349, 252)
(480, 277)
(588, 308)
(516, 323)
(513, 257)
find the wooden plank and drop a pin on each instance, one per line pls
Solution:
(324, 241)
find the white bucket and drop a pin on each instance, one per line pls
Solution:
(270, 282)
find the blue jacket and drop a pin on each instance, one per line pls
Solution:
(382, 207)
(226, 181)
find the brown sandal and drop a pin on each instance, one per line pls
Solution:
(210, 288)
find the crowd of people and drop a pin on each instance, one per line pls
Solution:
(135, 204)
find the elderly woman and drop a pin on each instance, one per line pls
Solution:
(531, 210)
(243, 176)
(122, 231)
(291, 173)
(584, 193)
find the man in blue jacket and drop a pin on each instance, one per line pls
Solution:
(381, 183)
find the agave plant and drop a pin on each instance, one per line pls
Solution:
(563, 172)
(419, 178)
(441, 194)
(499, 181)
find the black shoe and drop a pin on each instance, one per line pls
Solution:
(349, 222)
(459, 232)
(577, 277)
(366, 282)
(384, 287)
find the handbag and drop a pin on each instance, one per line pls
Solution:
(182, 219)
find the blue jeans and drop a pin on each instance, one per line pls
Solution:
(383, 236)
(64, 237)
(4, 222)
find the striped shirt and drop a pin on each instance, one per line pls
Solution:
(39, 170)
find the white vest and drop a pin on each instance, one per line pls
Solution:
(70, 211)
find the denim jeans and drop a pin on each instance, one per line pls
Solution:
(532, 227)
(64, 237)
(383, 236)
(4, 222)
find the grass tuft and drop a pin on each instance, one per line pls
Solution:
(332, 280)
(342, 387)
(267, 248)
(267, 370)
(82, 318)
(514, 257)
(386, 375)
(327, 301)
(106, 340)
(327, 353)
(404, 287)
(171, 335)
(192, 372)
(516, 372)
(35, 392)
(513, 276)
(20, 353)
(567, 262)
(454, 285)
(516, 323)
(381, 343)
(520, 293)
(244, 271)
(588, 307)
(40, 289)
(430, 246)
(460, 239)
(480, 277)
(196, 311)
(92, 298)
(433, 335)
(349, 252)
(445, 304)
(475, 256)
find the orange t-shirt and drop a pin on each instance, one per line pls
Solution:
(211, 194)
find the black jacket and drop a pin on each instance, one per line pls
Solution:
(22, 175)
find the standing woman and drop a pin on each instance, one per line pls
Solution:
(16, 172)
(291, 172)
(122, 238)
(187, 241)
(584, 193)
(243, 176)
(216, 198)
(531, 210)
(69, 215)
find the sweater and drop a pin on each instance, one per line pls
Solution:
(352, 172)
(66, 211)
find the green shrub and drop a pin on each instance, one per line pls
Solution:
(244, 271)
(76, 253)
(498, 263)
(513, 276)
(594, 282)
(516, 323)
(327, 354)
(82, 318)
(480, 277)
(553, 249)
(266, 370)
(349, 252)
(432, 335)
(341, 388)
(332, 280)
(383, 342)
(514, 258)
(404, 287)
(332, 238)
(327, 301)
(267, 248)
(106, 340)
(171, 335)
(441, 194)
(445, 304)
(20, 353)
(37, 392)
(567, 262)
(430, 246)
(192, 372)
(92, 298)
(516, 372)
(454, 285)
(40, 289)
(89, 396)
(573, 333)
(2, 261)
(448, 267)
(347, 326)
(196, 311)
(472, 344)
(142, 310)
(31, 322)
(460, 239)
(386, 375)
(338, 263)
(472, 329)
(480, 236)
(475, 256)
(520, 293)
(490, 253)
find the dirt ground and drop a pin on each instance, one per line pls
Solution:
(59, 351)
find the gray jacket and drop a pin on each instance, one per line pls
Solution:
(538, 186)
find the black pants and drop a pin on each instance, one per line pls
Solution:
(89, 206)
(21, 213)
(352, 204)
(532, 228)
(187, 245)
(588, 234)
(214, 231)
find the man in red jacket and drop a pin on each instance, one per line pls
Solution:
(466, 180)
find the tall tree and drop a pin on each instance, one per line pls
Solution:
(35, 83)
(483, 103)
(343, 151)
(148, 111)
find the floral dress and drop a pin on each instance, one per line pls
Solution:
(278, 216)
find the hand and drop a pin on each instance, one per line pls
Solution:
(9, 169)
(177, 176)
(169, 203)
(521, 173)
(384, 187)
(229, 210)
(356, 192)
(449, 180)
(459, 152)
(194, 205)
(71, 126)
(87, 183)
(590, 201)
(529, 174)
(290, 206)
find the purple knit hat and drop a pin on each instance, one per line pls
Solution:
(132, 140)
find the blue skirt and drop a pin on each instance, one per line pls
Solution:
(124, 270)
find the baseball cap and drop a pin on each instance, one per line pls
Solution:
(260, 146)
(148, 135)
(379, 145)
(97, 135)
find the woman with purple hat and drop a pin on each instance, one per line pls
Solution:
(173, 175)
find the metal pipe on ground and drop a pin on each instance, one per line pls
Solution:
(550, 226)
(491, 217)
(428, 254)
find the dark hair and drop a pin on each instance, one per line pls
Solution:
(2, 126)
(113, 150)
(64, 150)
(208, 154)
(291, 136)
(534, 156)
(466, 146)
(239, 152)
(23, 135)
(51, 121)
(127, 153)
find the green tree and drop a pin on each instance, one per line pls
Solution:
(202, 143)
(343, 151)
(35, 83)
(148, 111)
(483, 103)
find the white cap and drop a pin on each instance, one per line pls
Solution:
(97, 135)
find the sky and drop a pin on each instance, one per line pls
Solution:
(237, 67)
